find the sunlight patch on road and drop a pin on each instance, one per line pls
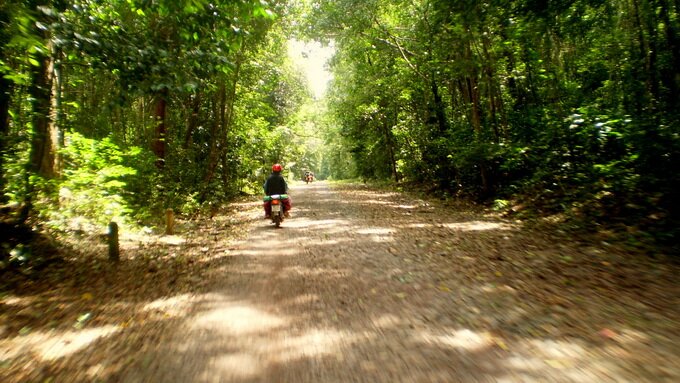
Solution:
(549, 348)
(478, 226)
(236, 319)
(172, 240)
(54, 344)
(238, 365)
(172, 306)
(419, 225)
(406, 207)
(566, 359)
(461, 339)
(272, 251)
(312, 343)
(259, 354)
(381, 239)
(13, 300)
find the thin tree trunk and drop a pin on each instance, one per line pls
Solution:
(473, 96)
(439, 111)
(5, 98)
(495, 107)
(475, 118)
(193, 121)
(389, 142)
(670, 77)
(226, 114)
(160, 129)
(225, 173)
(215, 137)
(642, 51)
(651, 61)
(57, 115)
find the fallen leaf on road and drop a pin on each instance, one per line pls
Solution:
(607, 333)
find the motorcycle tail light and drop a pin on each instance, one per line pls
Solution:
(275, 202)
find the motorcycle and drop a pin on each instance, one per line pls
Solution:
(277, 210)
(309, 178)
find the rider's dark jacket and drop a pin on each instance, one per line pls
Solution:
(275, 184)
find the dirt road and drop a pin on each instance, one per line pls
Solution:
(363, 286)
(359, 286)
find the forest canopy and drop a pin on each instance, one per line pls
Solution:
(119, 109)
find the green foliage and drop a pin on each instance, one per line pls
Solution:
(572, 106)
(227, 88)
(94, 182)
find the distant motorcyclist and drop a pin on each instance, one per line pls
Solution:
(276, 184)
(309, 177)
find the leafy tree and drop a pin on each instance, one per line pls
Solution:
(571, 105)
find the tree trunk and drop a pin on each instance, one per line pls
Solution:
(472, 82)
(45, 139)
(213, 153)
(160, 129)
(642, 48)
(651, 60)
(494, 93)
(473, 96)
(56, 115)
(226, 113)
(439, 110)
(5, 98)
(225, 171)
(670, 76)
(193, 121)
(389, 142)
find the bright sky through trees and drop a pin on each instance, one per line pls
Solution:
(311, 58)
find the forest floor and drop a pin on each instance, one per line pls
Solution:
(360, 285)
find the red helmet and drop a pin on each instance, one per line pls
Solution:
(277, 168)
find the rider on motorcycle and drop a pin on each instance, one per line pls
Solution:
(276, 184)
